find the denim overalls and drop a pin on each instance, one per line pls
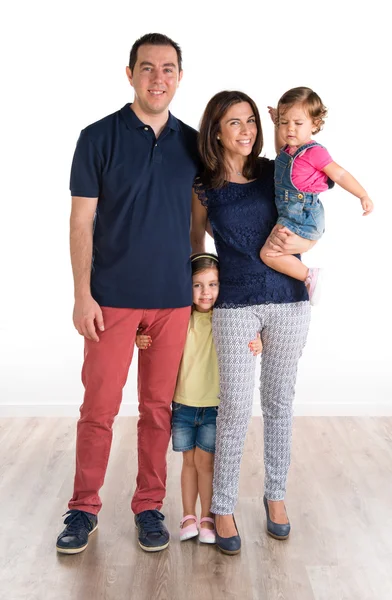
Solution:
(301, 212)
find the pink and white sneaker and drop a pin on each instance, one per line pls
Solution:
(313, 284)
(207, 536)
(190, 531)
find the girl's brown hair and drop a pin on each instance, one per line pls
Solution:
(211, 150)
(311, 102)
(203, 261)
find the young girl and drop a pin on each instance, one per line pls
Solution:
(303, 169)
(195, 403)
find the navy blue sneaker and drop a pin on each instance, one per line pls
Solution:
(74, 538)
(152, 534)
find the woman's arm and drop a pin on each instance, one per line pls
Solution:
(350, 184)
(209, 229)
(199, 223)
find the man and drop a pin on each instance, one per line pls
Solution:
(131, 184)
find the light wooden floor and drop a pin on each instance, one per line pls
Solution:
(339, 501)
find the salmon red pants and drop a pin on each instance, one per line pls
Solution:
(105, 371)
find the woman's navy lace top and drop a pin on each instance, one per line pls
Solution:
(242, 217)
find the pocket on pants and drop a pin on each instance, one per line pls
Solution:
(294, 209)
(316, 215)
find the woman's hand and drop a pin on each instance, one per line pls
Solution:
(282, 241)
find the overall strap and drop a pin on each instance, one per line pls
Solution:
(304, 147)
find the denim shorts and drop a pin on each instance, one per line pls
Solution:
(192, 426)
(302, 213)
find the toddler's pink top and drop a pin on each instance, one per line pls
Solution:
(306, 174)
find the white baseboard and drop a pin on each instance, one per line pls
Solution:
(342, 409)
(368, 409)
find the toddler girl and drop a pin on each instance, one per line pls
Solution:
(303, 169)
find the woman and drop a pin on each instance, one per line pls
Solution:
(235, 198)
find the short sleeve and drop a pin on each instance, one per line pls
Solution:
(200, 190)
(86, 169)
(318, 157)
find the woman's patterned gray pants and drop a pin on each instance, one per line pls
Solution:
(284, 328)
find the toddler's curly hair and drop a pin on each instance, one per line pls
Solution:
(311, 102)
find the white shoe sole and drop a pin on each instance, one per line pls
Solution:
(207, 541)
(188, 536)
(153, 548)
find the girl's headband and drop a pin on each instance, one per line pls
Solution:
(215, 258)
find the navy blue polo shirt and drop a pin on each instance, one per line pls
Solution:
(141, 243)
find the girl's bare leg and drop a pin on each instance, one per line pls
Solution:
(204, 462)
(189, 484)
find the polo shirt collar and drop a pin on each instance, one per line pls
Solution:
(133, 122)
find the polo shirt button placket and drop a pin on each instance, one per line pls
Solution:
(157, 155)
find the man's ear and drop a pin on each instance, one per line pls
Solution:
(129, 75)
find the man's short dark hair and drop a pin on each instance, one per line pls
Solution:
(154, 39)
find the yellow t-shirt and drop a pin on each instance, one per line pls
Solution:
(198, 377)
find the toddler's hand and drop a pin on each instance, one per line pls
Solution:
(273, 114)
(143, 341)
(256, 346)
(367, 205)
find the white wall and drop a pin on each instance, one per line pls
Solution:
(63, 68)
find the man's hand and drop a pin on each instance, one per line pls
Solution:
(283, 241)
(87, 315)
